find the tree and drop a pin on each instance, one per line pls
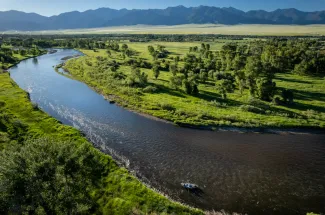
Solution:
(240, 80)
(173, 69)
(207, 47)
(287, 96)
(176, 81)
(151, 50)
(202, 47)
(156, 71)
(203, 75)
(48, 177)
(188, 86)
(191, 84)
(124, 47)
(176, 60)
(224, 86)
(161, 48)
(252, 69)
(218, 65)
(137, 78)
(265, 88)
(23, 52)
(210, 74)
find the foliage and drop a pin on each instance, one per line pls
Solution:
(49, 177)
(58, 172)
(236, 71)
(287, 96)
(224, 86)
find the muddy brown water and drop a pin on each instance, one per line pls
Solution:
(242, 172)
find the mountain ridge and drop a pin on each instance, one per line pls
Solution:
(105, 17)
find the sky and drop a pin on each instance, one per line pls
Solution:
(54, 7)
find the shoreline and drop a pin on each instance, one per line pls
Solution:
(116, 100)
(27, 58)
(120, 161)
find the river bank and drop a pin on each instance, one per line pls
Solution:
(235, 170)
(15, 105)
(125, 103)
(205, 111)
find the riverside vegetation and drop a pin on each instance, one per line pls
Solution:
(265, 82)
(50, 168)
(46, 167)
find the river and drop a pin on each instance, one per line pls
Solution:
(241, 172)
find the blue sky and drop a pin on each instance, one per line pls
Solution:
(51, 7)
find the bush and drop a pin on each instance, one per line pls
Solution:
(166, 106)
(287, 96)
(35, 106)
(215, 103)
(312, 114)
(258, 103)
(252, 109)
(150, 89)
(2, 104)
(277, 100)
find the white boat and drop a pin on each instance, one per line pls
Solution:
(189, 186)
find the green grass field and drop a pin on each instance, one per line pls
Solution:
(19, 58)
(207, 108)
(261, 30)
(118, 193)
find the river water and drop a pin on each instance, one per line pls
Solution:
(242, 172)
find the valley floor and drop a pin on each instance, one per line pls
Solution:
(207, 108)
(246, 29)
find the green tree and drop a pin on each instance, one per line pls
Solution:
(151, 50)
(224, 86)
(203, 75)
(252, 70)
(173, 69)
(265, 88)
(156, 71)
(207, 47)
(137, 78)
(47, 177)
(124, 47)
(287, 96)
(176, 81)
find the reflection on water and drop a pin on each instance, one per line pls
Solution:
(252, 173)
(35, 61)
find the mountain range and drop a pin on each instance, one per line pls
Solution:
(104, 17)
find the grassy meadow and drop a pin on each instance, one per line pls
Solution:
(246, 29)
(117, 192)
(207, 108)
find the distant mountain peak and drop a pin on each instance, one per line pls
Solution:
(103, 17)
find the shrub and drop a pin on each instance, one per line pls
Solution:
(287, 96)
(35, 106)
(277, 100)
(312, 114)
(150, 89)
(218, 104)
(166, 106)
(257, 103)
(2, 104)
(252, 109)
